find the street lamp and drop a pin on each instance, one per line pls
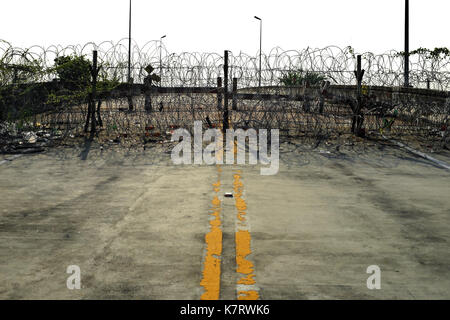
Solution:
(129, 47)
(260, 47)
(406, 43)
(130, 97)
(160, 56)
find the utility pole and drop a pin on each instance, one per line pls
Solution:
(260, 47)
(129, 47)
(406, 43)
(130, 80)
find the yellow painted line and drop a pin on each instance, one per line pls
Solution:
(246, 284)
(211, 267)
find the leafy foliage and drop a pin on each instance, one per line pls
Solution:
(297, 78)
(431, 54)
(74, 72)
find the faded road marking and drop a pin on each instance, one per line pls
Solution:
(211, 268)
(246, 285)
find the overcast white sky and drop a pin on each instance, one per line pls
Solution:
(212, 26)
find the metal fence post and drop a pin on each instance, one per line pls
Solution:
(357, 115)
(234, 103)
(91, 96)
(94, 91)
(219, 93)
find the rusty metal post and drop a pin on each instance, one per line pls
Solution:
(94, 90)
(357, 115)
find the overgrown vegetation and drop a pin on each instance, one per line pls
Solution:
(23, 90)
(73, 72)
(436, 53)
(300, 77)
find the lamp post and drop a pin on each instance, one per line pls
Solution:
(129, 47)
(160, 55)
(406, 43)
(260, 47)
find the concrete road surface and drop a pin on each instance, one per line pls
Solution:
(139, 227)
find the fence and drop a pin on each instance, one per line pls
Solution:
(202, 69)
(198, 86)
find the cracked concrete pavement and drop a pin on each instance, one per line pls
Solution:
(136, 225)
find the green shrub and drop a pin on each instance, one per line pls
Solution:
(74, 72)
(298, 78)
(436, 53)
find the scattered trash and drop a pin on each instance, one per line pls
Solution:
(228, 195)
(30, 137)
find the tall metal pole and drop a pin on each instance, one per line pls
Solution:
(160, 55)
(129, 47)
(406, 43)
(260, 51)
(225, 93)
(260, 47)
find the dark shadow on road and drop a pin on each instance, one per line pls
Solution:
(87, 146)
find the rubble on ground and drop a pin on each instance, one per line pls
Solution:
(12, 141)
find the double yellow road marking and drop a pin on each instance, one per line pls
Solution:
(246, 288)
(246, 283)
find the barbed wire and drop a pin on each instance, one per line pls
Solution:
(314, 113)
(202, 69)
